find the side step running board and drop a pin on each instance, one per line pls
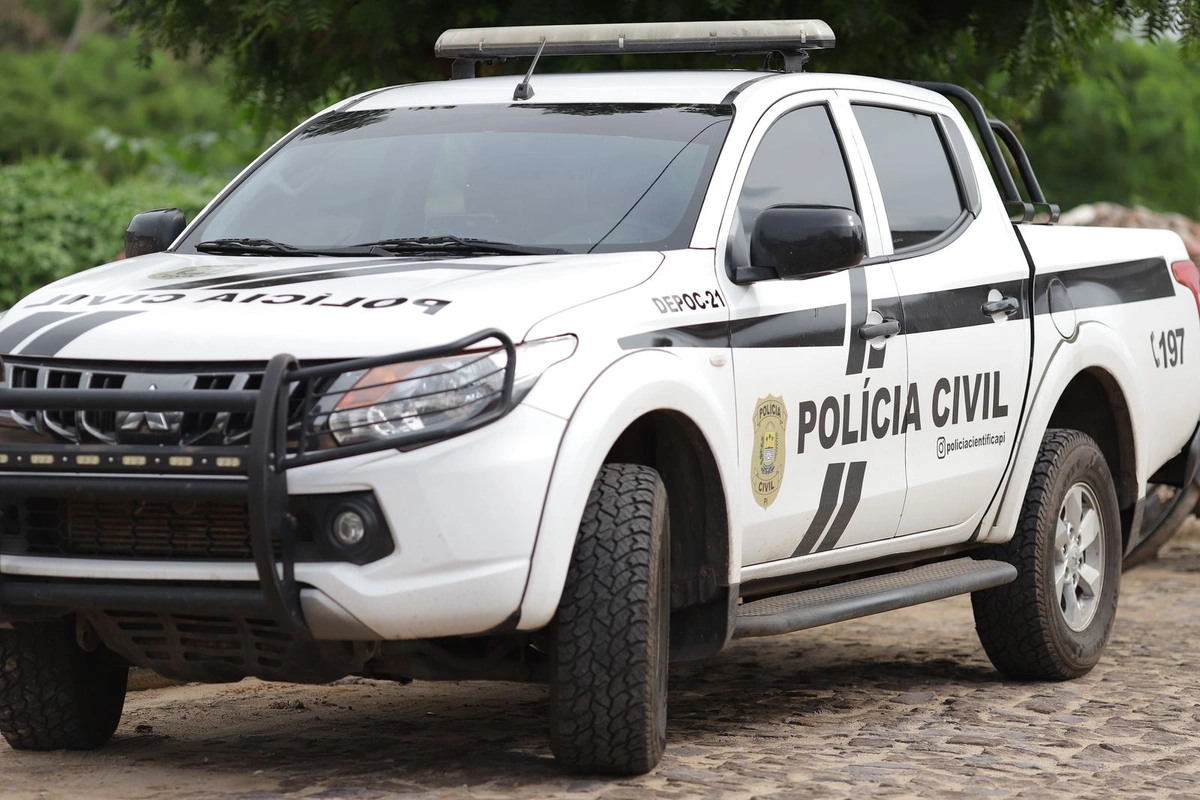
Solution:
(866, 596)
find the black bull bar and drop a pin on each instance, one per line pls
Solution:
(254, 473)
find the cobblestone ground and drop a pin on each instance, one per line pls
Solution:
(896, 705)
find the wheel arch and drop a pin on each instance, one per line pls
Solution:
(702, 601)
(667, 421)
(1085, 386)
(1094, 403)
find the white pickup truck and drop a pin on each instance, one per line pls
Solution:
(564, 378)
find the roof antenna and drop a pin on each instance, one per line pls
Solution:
(524, 91)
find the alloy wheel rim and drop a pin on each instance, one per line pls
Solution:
(1079, 557)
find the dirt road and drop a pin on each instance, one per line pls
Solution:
(900, 704)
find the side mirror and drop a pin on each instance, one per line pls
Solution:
(153, 231)
(802, 241)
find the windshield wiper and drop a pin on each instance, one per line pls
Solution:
(459, 244)
(265, 247)
(384, 247)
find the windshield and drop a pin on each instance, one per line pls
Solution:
(579, 178)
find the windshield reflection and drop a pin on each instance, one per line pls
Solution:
(575, 177)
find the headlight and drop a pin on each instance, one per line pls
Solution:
(396, 399)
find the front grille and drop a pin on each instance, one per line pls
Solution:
(167, 428)
(65, 425)
(127, 529)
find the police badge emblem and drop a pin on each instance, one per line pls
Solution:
(196, 271)
(769, 453)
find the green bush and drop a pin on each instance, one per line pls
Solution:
(101, 104)
(59, 217)
(1126, 131)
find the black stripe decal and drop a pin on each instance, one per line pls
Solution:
(392, 269)
(824, 326)
(854, 485)
(814, 327)
(828, 502)
(858, 315)
(22, 329)
(875, 357)
(1110, 284)
(324, 272)
(949, 309)
(706, 334)
(221, 280)
(55, 339)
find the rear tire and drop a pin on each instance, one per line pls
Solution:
(610, 637)
(53, 694)
(1054, 620)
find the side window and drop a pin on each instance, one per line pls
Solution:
(920, 195)
(800, 162)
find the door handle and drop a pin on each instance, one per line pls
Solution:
(1005, 305)
(889, 327)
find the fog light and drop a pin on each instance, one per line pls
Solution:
(349, 528)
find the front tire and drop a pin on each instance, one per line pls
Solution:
(610, 637)
(54, 695)
(1054, 620)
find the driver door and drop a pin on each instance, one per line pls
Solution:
(820, 410)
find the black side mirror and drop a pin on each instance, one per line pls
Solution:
(803, 241)
(153, 231)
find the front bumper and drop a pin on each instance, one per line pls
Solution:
(463, 513)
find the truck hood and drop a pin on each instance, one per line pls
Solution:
(175, 307)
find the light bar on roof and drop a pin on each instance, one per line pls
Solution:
(756, 36)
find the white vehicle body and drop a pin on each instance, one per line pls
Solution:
(913, 443)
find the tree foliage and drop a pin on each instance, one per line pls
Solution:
(1125, 131)
(102, 105)
(26, 24)
(286, 54)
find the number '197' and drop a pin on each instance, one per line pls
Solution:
(1167, 348)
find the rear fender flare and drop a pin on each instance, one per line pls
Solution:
(1097, 347)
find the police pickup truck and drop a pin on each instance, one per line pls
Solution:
(567, 377)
